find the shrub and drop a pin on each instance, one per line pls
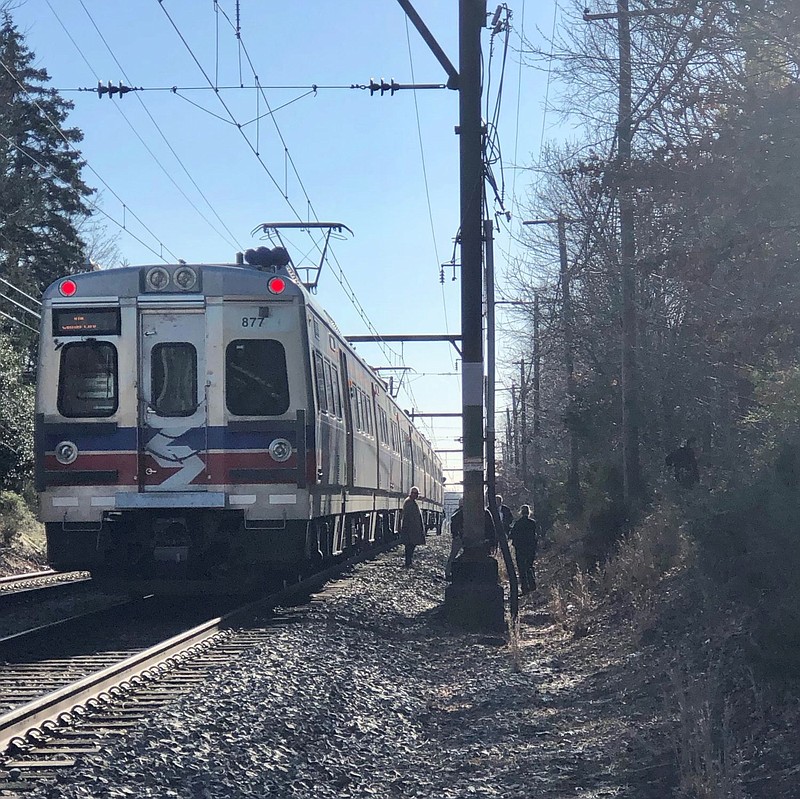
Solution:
(16, 518)
(606, 515)
(749, 546)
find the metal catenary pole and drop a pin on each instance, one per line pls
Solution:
(472, 14)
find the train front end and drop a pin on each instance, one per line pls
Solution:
(171, 432)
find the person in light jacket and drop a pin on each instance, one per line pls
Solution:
(412, 530)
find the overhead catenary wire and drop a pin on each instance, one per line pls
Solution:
(91, 202)
(231, 238)
(341, 277)
(425, 176)
(72, 147)
(19, 304)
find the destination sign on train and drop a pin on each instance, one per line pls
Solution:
(86, 322)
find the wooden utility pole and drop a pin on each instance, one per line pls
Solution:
(629, 377)
(537, 399)
(515, 426)
(509, 457)
(573, 484)
(632, 479)
(627, 222)
(523, 424)
(491, 476)
(573, 477)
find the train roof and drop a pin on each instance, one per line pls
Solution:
(134, 281)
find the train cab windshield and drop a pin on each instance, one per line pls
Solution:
(256, 381)
(87, 382)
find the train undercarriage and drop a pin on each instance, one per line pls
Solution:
(214, 552)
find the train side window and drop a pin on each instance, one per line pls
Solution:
(354, 398)
(337, 390)
(362, 411)
(256, 380)
(319, 374)
(395, 435)
(333, 408)
(87, 379)
(383, 426)
(369, 416)
(173, 379)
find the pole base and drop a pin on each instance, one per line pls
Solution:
(474, 601)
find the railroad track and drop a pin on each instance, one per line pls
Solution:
(48, 734)
(34, 586)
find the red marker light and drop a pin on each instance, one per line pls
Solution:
(68, 287)
(276, 285)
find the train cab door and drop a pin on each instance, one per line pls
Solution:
(347, 407)
(173, 413)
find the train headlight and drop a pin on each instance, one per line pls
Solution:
(280, 450)
(66, 452)
(157, 278)
(185, 278)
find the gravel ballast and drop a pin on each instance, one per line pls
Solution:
(368, 693)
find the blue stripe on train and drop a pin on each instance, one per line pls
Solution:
(87, 438)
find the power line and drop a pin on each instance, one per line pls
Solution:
(90, 201)
(19, 304)
(11, 285)
(230, 241)
(18, 321)
(72, 147)
(121, 89)
(341, 277)
(225, 106)
(425, 174)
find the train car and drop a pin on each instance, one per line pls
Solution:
(206, 426)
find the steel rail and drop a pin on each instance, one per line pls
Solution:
(17, 722)
(11, 578)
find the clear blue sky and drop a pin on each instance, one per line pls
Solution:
(358, 157)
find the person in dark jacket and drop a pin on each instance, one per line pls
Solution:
(684, 464)
(489, 532)
(523, 534)
(457, 529)
(412, 530)
(505, 515)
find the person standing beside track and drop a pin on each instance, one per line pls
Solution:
(523, 534)
(506, 517)
(412, 530)
(457, 529)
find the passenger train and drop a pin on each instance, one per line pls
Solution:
(205, 426)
